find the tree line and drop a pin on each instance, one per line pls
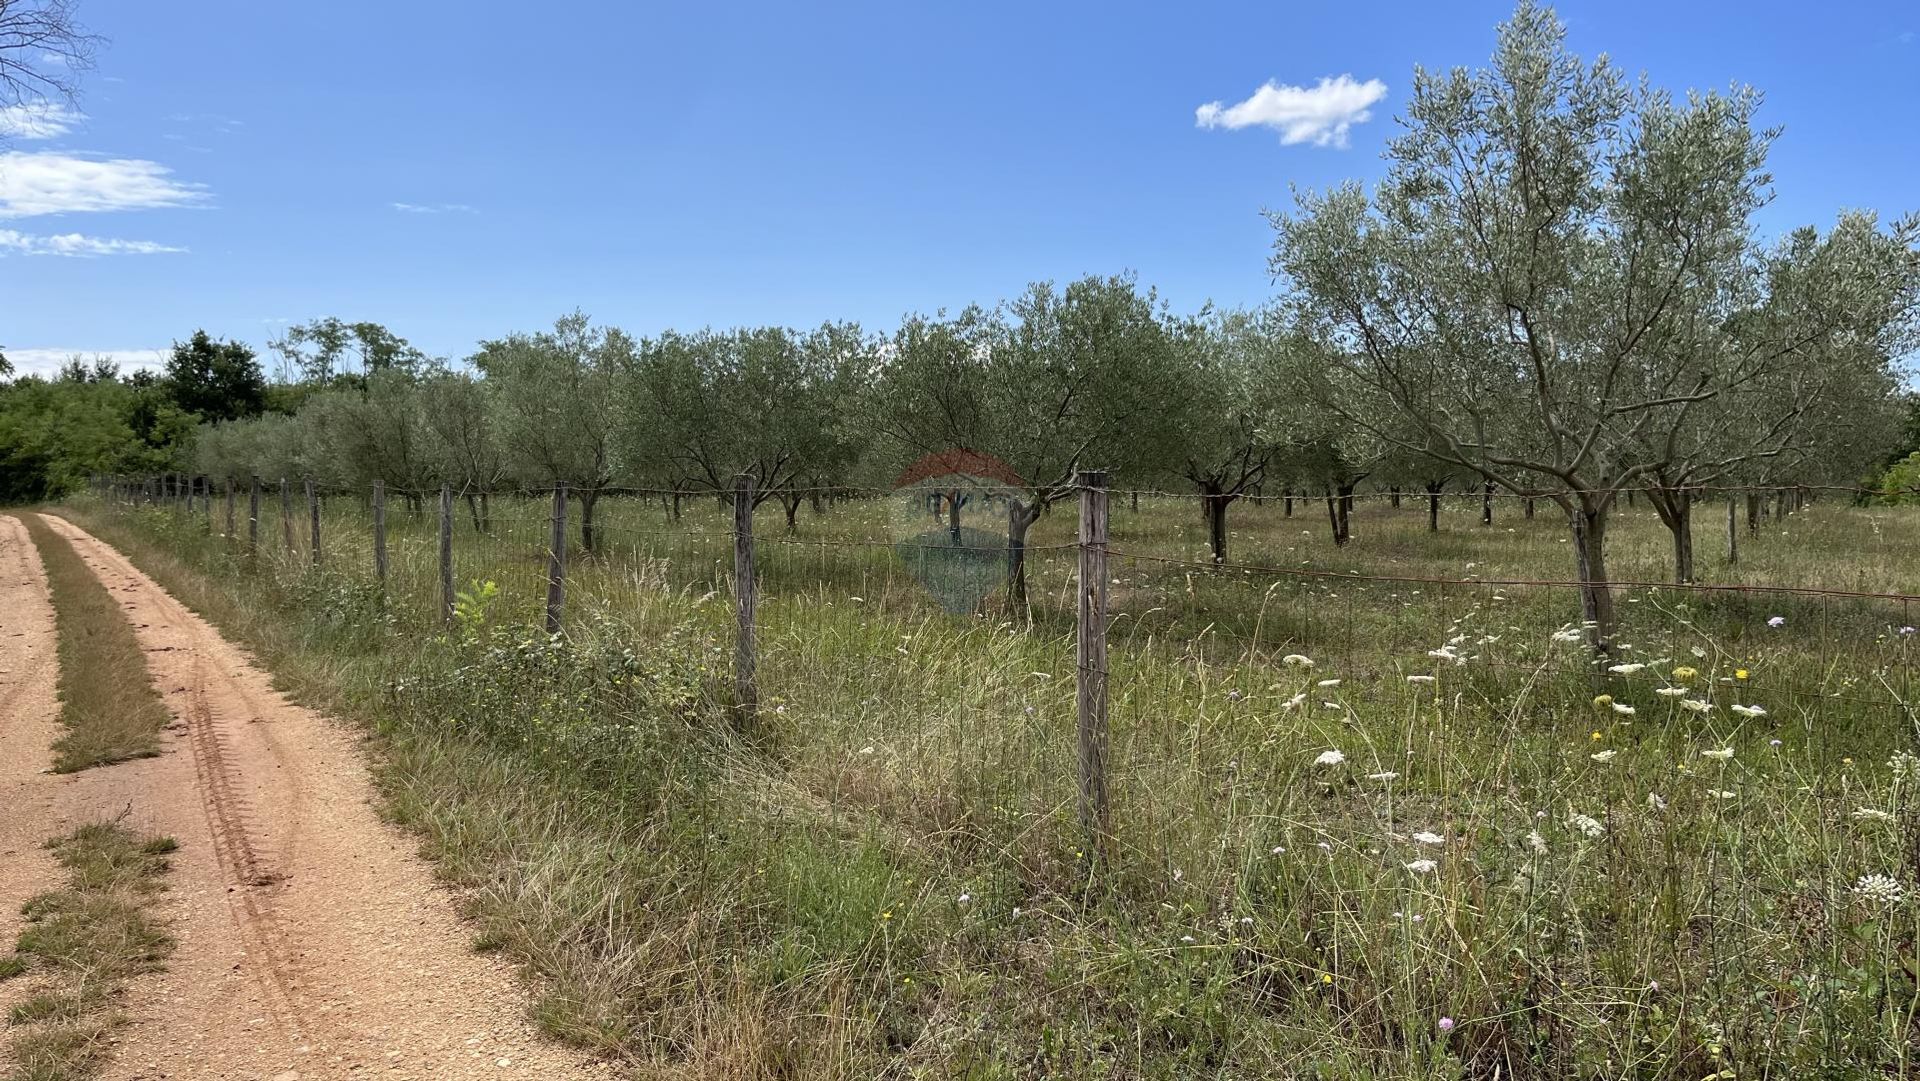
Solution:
(1557, 291)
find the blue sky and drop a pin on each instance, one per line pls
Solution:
(458, 171)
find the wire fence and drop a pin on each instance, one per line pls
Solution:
(1164, 596)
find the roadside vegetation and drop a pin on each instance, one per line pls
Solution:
(107, 701)
(80, 947)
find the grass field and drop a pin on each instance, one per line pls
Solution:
(1500, 876)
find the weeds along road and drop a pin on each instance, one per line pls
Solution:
(313, 942)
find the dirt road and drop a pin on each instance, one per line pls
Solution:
(313, 941)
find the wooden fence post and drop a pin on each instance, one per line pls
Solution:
(286, 518)
(1733, 530)
(313, 522)
(253, 515)
(231, 530)
(746, 687)
(206, 501)
(446, 554)
(1091, 670)
(380, 531)
(557, 561)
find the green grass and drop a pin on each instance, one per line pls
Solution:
(107, 701)
(891, 881)
(81, 945)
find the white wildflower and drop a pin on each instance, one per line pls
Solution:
(1623, 708)
(1603, 756)
(1586, 824)
(1428, 837)
(1698, 653)
(1568, 634)
(1720, 754)
(1294, 702)
(1419, 679)
(1387, 776)
(1421, 867)
(1905, 766)
(1777, 621)
(1536, 842)
(1626, 669)
(1656, 802)
(1879, 890)
(1328, 683)
(1872, 814)
(1697, 705)
(1330, 758)
(1670, 692)
(1749, 711)
(1297, 660)
(1722, 793)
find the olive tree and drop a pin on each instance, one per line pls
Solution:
(1055, 381)
(766, 401)
(557, 406)
(1522, 293)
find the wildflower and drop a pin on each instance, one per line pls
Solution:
(1739, 673)
(1446, 653)
(1387, 776)
(1246, 921)
(1567, 634)
(1720, 754)
(1421, 867)
(1597, 736)
(1278, 851)
(1749, 711)
(1872, 814)
(1602, 701)
(1906, 630)
(1294, 702)
(1697, 705)
(1626, 669)
(1623, 708)
(1670, 692)
(1699, 653)
(1331, 705)
(1328, 683)
(1656, 802)
(1722, 793)
(868, 749)
(1419, 679)
(964, 899)
(1428, 837)
(1685, 672)
(1586, 824)
(1446, 1024)
(1536, 842)
(1905, 766)
(1773, 743)
(1330, 758)
(1603, 756)
(1879, 890)
(1777, 621)
(1297, 660)
(1187, 939)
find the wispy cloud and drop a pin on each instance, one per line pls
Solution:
(37, 120)
(1904, 37)
(1320, 114)
(48, 182)
(76, 245)
(47, 362)
(433, 208)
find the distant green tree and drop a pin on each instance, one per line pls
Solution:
(215, 381)
(328, 350)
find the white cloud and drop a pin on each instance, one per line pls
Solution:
(37, 120)
(75, 244)
(48, 182)
(434, 208)
(1320, 115)
(48, 362)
